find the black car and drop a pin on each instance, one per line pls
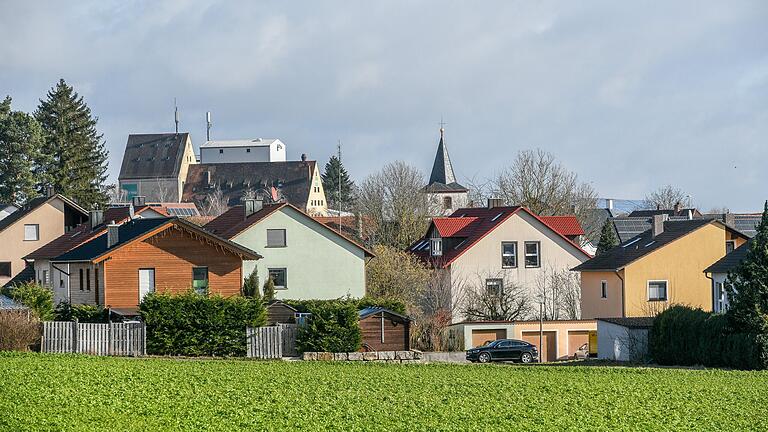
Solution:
(504, 350)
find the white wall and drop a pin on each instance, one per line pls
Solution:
(618, 343)
(274, 152)
(719, 305)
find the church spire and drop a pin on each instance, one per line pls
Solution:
(442, 170)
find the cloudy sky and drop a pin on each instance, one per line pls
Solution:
(630, 96)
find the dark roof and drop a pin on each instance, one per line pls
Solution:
(26, 275)
(291, 179)
(729, 261)
(668, 212)
(153, 155)
(641, 245)
(377, 309)
(32, 205)
(135, 228)
(7, 303)
(631, 322)
(442, 178)
(628, 227)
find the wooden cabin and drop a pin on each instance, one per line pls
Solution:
(280, 313)
(384, 330)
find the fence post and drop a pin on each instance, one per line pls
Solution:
(75, 337)
(111, 340)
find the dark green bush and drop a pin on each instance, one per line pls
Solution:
(393, 305)
(194, 325)
(333, 327)
(82, 313)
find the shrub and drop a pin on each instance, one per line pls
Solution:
(251, 285)
(35, 297)
(18, 331)
(333, 327)
(194, 325)
(269, 290)
(82, 313)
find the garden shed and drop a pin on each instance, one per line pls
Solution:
(384, 330)
(623, 339)
(280, 313)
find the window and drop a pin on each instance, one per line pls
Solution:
(657, 290)
(275, 238)
(447, 203)
(730, 245)
(509, 254)
(603, 289)
(81, 280)
(31, 232)
(495, 287)
(437, 247)
(221, 151)
(247, 150)
(279, 277)
(45, 277)
(200, 280)
(5, 269)
(88, 279)
(532, 258)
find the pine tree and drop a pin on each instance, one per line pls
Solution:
(269, 290)
(251, 285)
(78, 160)
(748, 288)
(21, 140)
(334, 170)
(608, 238)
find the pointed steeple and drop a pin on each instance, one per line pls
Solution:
(442, 170)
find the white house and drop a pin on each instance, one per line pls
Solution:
(250, 150)
(718, 273)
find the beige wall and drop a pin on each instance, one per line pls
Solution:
(317, 205)
(561, 329)
(50, 218)
(592, 304)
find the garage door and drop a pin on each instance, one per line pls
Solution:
(480, 337)
(549, 353)
(576, 339)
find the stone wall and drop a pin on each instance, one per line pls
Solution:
(381, 356)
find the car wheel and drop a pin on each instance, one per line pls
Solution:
(484, 357)
(526, 358)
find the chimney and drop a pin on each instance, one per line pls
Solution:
(359, 221)
(730, 219)
(131, 210)
(50, 191)
(112, 234)
(96, 217)
(252, 206)
(677, 208)
(495, 202)
(208, 178)
(657, 225)
(303, 157)
(690, 214)
(139, 201)
(609, 203)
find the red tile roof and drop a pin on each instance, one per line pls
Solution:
(565, 225)
(453, 226)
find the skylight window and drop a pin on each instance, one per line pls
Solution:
(496, 217)
(632, 242)
(460, 244)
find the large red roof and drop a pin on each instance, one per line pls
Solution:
(565, 225)
(453, 226)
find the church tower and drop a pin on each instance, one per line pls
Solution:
(444, 193)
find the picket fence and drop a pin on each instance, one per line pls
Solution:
(117, 339)
(272, 342)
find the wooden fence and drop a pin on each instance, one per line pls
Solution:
(118, 339)
(271, 342)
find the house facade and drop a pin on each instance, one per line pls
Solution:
(38, 222)
(305, 258)
(124, 263)
(718, 274)
(660, 267)
(235, 151)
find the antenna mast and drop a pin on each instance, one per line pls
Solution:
(208, 125)
(338, 148)
(176, 115)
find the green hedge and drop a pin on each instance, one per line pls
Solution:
(81, 313)
(194, 325)
(393, 305)
(333, 327)
(685, 336)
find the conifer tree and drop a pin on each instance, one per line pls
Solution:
(78, 160)
(269, 290)
(251, 285)
(21, 140)
(748, 287)
(608, 238)
(333, 174)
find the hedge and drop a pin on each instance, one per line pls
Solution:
(81, 313)
(362, 303)
(685, 336)
(194, 325)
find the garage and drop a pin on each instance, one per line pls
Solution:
(481, 336)
(576, 338)
(549, 352)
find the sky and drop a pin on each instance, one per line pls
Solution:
(629, 95)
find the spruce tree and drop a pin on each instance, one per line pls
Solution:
(251, 285)
(21, 140)
(608, 238)
(335, 172)
(748, 287)
(269, 290)
(78, 160)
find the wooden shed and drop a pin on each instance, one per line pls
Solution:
(279, 312)
(384, 330)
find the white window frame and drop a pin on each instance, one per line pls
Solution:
(733, 245)
(666, 290)
(436, 247)
(36, 234)
(514, 255)
(537, 254)
(493, 282)
(603, 289)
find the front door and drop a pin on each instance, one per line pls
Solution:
(146, 282)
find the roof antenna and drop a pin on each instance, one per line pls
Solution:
(208, 125)
(176, 115)
(338, 148)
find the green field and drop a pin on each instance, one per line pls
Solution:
(57, 392)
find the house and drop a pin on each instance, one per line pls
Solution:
(384, 330)
(57, 277)
(122, 264)
(490, 248)
(657, 268)
(305, 258)
(295, 182)
(623, 339)
(38, 222)
(718, 274)
(155, 166)
(555, 340)
(444, 193)
(628, 227)
(235, 151)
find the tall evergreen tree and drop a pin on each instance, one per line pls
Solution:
(333, 174)
(748, 288)
(78, 160)
(608, 238)
(21, 141)
(269, 290)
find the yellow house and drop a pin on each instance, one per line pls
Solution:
(660, 267)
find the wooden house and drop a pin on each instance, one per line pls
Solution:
(384, 330)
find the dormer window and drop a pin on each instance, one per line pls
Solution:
(437, 247)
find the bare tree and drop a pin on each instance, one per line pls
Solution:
(479, 190)
(505, 301)
(163, 192)
(215, 203)
(394, 201)
(559, 294)
(666, 197)
(396, 274)
(115, 194)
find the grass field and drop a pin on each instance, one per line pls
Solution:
(50, 392)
